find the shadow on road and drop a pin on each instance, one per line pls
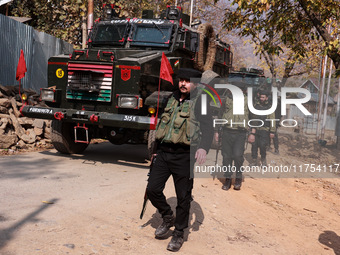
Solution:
(107, 153)
(8, 233)
(196, 214)
(331, 240)
(26, 167)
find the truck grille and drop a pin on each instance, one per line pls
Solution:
(89, 82)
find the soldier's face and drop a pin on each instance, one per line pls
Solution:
(184, 86)
(263, 98)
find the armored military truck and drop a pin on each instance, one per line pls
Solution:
(248, 77)
(110, 89)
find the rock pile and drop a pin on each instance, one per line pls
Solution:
(16, 131)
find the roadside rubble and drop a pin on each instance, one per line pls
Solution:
(17, 132)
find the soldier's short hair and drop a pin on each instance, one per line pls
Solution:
(264, 92)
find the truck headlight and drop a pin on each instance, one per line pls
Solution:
(24, 97)
(47, 95)
(152, 110)
(128, 101)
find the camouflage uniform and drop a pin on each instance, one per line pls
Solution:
(262, 134)
(233, 141)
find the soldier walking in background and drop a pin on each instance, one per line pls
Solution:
(233, 141)
(263, 133)
(278, 118)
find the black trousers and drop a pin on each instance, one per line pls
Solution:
(178, 165)
(233, 150)
(261, 142)
(276, 141)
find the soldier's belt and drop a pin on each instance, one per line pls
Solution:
(239, 130)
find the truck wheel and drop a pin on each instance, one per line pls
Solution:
(151, 142)
(62, 137)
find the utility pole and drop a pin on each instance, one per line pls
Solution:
(326, 102)
(338, 101)
(337, 126)
(321, 92)
(89, 15)
(84, 32)
(191, 10)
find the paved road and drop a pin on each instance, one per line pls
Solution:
(40, 191)
(90, 204)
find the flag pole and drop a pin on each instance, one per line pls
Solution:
(20, 90)
(165, 73)
(323, 126)
(159, 91)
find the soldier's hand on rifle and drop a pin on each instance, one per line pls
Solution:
(271, 135)
(200, 156)
(216, 137)
(153, 156)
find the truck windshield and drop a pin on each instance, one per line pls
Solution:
(110, 34)
(152, 35)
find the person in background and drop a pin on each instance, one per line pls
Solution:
(234, 139)
(264, 132)
(276, 137)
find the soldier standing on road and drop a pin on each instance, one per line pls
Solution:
(278, 118)
(263, 133)
(178, 146)
(233, 141)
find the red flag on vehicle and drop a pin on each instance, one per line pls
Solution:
(166, 70)
(21, 68)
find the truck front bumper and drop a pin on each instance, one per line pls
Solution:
(90, 117)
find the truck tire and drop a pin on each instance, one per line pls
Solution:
(151, 142)
(207, 48)
(62, 137)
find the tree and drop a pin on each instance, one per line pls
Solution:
(242, 49)
(293, 24)
(63, 18)
(323, 14)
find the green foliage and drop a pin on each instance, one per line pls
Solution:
(63, 18)
(294, 24)
(60, 18)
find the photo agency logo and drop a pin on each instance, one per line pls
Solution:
(242, 102)
(204, 100)
(238, 99)
(238, 107)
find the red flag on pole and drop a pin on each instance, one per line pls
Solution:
(166, 70)
(21, 68)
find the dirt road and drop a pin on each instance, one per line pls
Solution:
(90, 204)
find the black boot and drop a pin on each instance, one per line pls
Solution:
(176, 241)
(163, 229)
(254, 162)
(227, 184)
(238, 183)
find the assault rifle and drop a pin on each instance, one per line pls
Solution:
(145, 194)
(219, 145)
